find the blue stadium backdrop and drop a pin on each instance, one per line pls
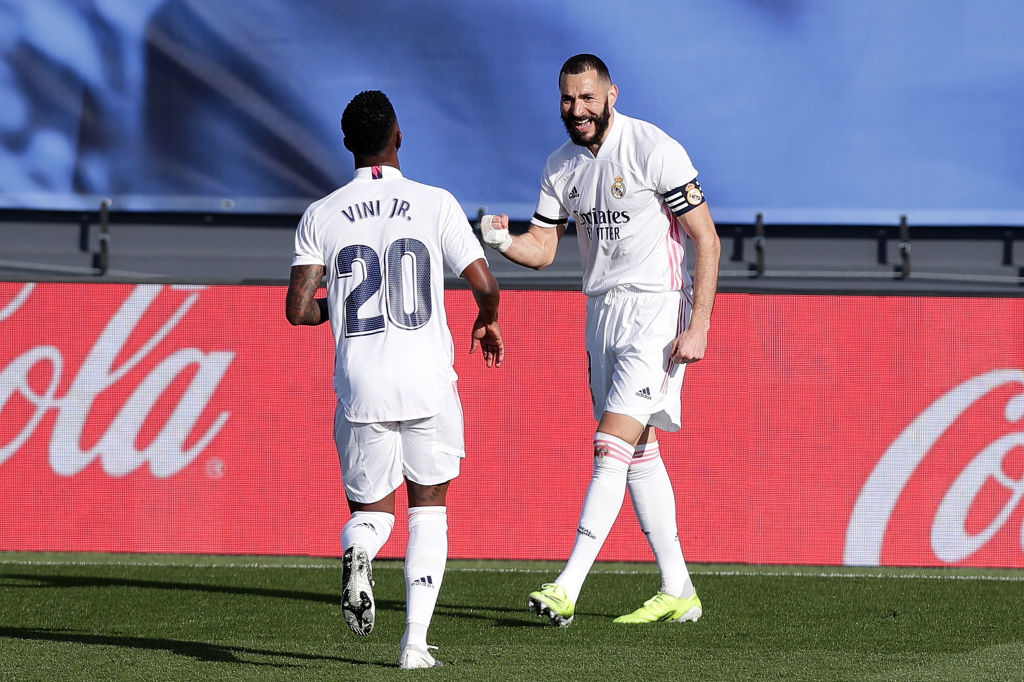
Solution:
(812, 112)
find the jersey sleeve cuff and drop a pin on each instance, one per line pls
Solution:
(307, 260)
(544, 221)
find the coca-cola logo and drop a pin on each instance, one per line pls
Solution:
(116, 448)
(951, 539)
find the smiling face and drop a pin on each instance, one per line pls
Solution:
(587, 102)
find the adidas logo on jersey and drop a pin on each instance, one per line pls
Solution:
(425, 581)
(573, 194)
(644, 392)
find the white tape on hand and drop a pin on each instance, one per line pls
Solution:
(499, 239)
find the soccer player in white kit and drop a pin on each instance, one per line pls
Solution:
(381, 243)
(635, 197)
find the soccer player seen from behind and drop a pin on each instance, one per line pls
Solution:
(634, 196)
(380, 244)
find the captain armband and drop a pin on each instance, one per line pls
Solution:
(684, 199)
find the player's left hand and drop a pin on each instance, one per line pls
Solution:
(487, 337)
(690, 346)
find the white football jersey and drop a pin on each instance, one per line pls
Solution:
(624, 202)
(383, 240)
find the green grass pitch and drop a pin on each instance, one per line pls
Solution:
(142, 617)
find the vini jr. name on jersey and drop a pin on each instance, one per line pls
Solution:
(372, 209)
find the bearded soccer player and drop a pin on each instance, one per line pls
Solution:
(634, 195)
(381, 242)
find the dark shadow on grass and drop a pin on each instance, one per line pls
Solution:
(36, 581)
(200, 651)
(47, 581)
(515, 618)
(512, 617)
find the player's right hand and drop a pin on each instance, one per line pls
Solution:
(487, 337)
(494, 231)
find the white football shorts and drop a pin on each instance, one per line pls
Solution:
(629, 336)
(377, 456)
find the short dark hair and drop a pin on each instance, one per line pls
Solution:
(367, 122)
(581, 63)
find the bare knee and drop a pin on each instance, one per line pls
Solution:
(385, 505)
(427, 495)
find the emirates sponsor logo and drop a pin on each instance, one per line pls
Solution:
(951, 540)
(116, 448)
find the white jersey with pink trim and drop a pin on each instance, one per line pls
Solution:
(384, 241)
(624, 201)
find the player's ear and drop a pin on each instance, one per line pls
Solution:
(344, 141)
(613, 94)
(398, 138)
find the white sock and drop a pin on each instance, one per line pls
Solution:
(600, 509)
(655, 506)
(425, 561)
(369, 529)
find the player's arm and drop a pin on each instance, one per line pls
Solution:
(691, 345)
(535, 249)
(301, 304)
(486, 331)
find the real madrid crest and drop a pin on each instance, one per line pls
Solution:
(693, 194)
(618, 189)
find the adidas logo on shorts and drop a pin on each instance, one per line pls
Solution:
(644, 392)
(425, 581)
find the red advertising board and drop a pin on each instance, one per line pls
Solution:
(865, 430)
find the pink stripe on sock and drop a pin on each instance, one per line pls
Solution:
(646, 452)
(615, 449)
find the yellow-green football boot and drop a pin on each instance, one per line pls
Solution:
(664, 607)
(552, 601)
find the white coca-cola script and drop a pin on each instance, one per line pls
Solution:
(116, 448)
(950, 539)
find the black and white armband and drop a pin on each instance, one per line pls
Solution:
(683, 199)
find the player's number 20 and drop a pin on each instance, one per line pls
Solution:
(403, 257)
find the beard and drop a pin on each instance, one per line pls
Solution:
(600, 127)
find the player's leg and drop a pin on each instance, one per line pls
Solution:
(613, 448)
(362, 537)
(371, 471)
(425, 561)
(366, 531)
(617, 433)
(649, 485)
(655, 506)
(433, 451)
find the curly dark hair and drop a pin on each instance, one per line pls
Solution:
(368, 122)
(581, 63)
